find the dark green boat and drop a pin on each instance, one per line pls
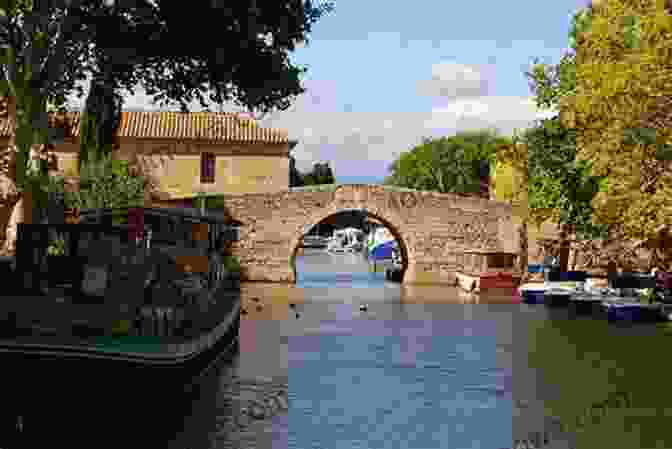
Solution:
(145, 299)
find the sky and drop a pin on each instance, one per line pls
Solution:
(384, 74)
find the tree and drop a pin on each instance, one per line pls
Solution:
(621, 111)
(247, 63)
(554, 185)
(253, 43)
(447, 164)
(42, 49)
(320, 174)
(42, 45)
(294, 174)
(50, 45)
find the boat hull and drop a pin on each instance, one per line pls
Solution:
(630, 311)
(532, 296)
(77, 397)
(586, 306)
(553, 299)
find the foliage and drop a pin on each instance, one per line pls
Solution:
(56, 247)
(199, 201)
(294, 174)
(558, 182)
(580, 23)
(247, 62)
(106, 183)
(47, 46)
(231, 264)
(623, 89)
(41, 45)
(554, 184)
(320, 174)
(214, 202)
(550, 83)
(447, 164)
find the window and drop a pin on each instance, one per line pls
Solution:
(207, 168)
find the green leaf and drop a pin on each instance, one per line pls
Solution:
(604, 185)
(664, 152)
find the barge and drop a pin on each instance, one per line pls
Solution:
(141, 301)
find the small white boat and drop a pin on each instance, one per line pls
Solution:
(349, 240)
(552, 293)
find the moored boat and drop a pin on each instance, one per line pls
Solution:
(532, 293)
(160, 305)
(348, 240)
(314, 241)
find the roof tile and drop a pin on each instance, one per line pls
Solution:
(211, 126)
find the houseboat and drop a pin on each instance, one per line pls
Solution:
(149, 302)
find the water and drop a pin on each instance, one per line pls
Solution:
(417, 367)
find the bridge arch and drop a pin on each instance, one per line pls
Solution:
(440, 235)
(322, 215)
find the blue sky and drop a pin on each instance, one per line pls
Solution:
(384, 74)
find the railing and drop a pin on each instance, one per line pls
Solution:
(146, 225)
(166, 225)
(107, 266)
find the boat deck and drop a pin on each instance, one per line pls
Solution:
(46, 324)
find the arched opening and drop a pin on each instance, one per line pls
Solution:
(332, 242)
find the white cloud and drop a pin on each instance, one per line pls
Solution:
(359, 142)
(505, 113)
(364, 144)
(452, 80)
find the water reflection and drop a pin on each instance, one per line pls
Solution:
(421, 361)
(435, 353)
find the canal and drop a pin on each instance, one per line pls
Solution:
(360, 362)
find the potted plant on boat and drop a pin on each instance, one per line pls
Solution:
(232, 268)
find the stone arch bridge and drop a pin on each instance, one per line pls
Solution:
(439, 235)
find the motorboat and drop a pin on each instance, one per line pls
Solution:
(335, 245)
(314, 241)
(549, 293)
(628, 303)
(348, 240)
(625, 299)
(558, 287)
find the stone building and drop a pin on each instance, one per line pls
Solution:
(214, 153)
(188, 153)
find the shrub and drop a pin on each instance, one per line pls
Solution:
(106, 183)
(231, 264)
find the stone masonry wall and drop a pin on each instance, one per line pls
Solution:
(434, 230)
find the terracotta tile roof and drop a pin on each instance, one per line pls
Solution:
(196, 125)
(212, 126)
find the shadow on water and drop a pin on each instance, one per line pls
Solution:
(414, 351)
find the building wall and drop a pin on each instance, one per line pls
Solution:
(240, 168)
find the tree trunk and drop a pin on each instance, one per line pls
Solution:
(523, 248)
(22, 209)
(564, 247)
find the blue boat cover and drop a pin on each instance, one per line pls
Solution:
(382, 251)
(535, 268)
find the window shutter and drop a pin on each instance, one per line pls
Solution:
(207, 168)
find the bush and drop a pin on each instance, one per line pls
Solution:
(231, 264)
(212, 202)
(106, 183)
